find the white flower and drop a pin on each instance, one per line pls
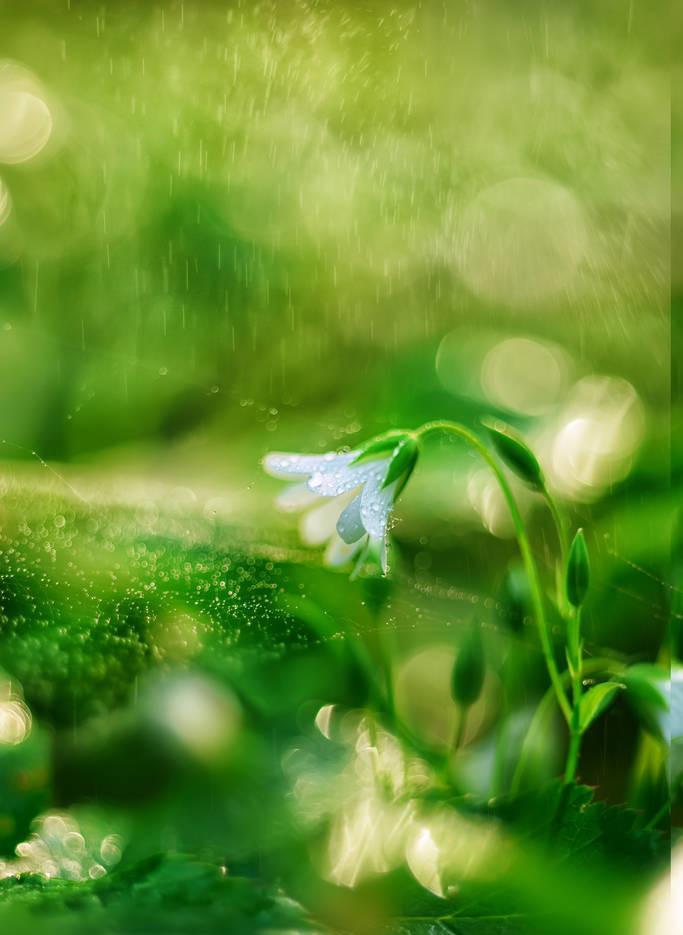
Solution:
(348, 496)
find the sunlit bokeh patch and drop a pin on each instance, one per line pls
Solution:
(65, 848)
(444, 847)
(5, 202)
(25, 119)
(371, 800)
(520, 241)
(201, 714)
(663, 914)
(488, 502)
(15, 715)
(367, 839)
(600, 430)
(423, 696)
(370, 825)
(323, 720)
(525, 375)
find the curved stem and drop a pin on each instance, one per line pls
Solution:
(563, 539)
(524, 547)
(560, 525)
(459, 730)
(576, 671)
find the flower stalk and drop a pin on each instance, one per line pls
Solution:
(536, 594)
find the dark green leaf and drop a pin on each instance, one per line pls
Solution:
(516, 454)
(515, 596)
(469, 668)
(403, 461)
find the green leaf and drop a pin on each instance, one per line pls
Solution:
(596, 700)
(514, 596)
(470, 668)
(578, 571)
(380, 446)
(516, 454)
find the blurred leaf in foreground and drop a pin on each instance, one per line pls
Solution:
(169, 894)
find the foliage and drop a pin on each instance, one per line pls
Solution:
(169, 894)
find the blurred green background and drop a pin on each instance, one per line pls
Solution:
(228, 228)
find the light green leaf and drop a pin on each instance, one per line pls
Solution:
(381, 446)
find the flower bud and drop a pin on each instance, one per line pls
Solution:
(578, 571)
(469, 668)
(516, 454)
(514, 596)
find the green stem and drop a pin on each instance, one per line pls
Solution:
(573, 620)
(524, 547)
(572, 754)
(498, 770)
(459, 730)
(563, 539)
(657, 817)
(457, 736)
(560, 525)
(387, 658)
(576, 669)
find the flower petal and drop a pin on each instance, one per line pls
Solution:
(350, 525)
(319, 524)
(347, 477)
(383, 554)
(295, 497)
(287, 464)
(377, 551)
(376, 504)
(339, 552)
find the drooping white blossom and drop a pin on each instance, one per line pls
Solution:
(347, 497)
